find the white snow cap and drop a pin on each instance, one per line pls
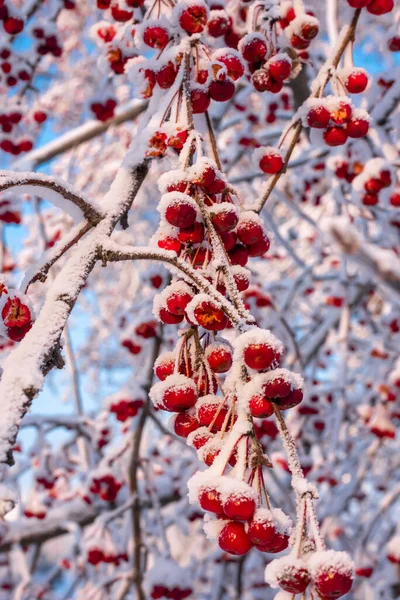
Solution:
(283, 523)
(326, 560)
(256, 335)
(227, 487)
(176, 381)
(286, 565)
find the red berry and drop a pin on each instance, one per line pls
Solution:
(370, 200)
(164, 366)
(356, 81)
(279, 69)
(318, 117)
(341, 114)
(298, 42)
(254, 49)
(259, 248)
(210, 316)
(211, 411)
(169, 318)
(219, 357)
(238, 255)
(373, 185)
(395, 199)
(218, 25)
(292, 399)
(156, 37)
(357, 128)
(249, 230)
(120, 14)
(262, 530)
(234, 66)
(276, 387)
(193, 234)
(166, 76)
(184, 424)
(234, 539)
(380, 7)
(178, 393)
(239, 507)
(200, 101)
(260, 407)
(193, 19)
(95, 556)
(335, 136)
(260, 356)
(176, 302)
(294, 578)
(226, 219)
(309, 29)
(221, 91)
(358, 3)
(210, 500)
(271, 162)
(394, 43)
(331, 579)
(39, 116)
(180, 213)
(12, 26)
(169, 243)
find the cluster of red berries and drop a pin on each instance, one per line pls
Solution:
(120, 11)
(12, 68)
(175, 593)
(106, 487)
(300, 29)
(182, 229)
(47, 42)
(238, 524)
(13, 22)
(375, 7)
(96, 555)
(8, 214)
(331, 574)
(39, 513)
(161, 141)
(126, 409)
(348, 170)
(16, 314)
(375, 179)
(104, 110)
(338, 119)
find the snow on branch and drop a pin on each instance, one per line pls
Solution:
(57, 192)
(113, 252)
(80, 135)
(382, 264)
